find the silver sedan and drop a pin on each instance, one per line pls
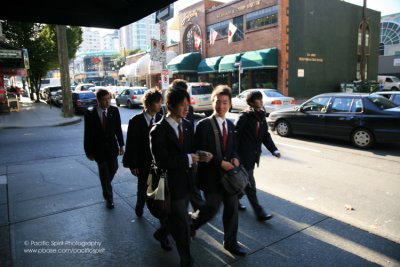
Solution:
(272, 99)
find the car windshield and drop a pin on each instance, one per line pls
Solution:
(381, 102)
(86, 87)
(273, 94)
(87, 95)
(201, 90)
(55, 89)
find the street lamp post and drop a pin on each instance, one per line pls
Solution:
(239, 66)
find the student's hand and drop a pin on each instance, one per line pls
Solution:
(226, 165)
(135, 171)
(277, 154)
(121, 151)
(235, 162)
(195, 158)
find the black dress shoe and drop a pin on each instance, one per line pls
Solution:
(264, 217)
(164, 241)
(236, 250)
(109, 204)
(139, 211)
(241, 206)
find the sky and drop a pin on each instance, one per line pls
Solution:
(386, 7)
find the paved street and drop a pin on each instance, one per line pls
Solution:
(53, 194)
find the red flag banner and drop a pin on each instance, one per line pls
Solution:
(231, 31)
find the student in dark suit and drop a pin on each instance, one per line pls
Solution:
(103, 141)
(252, 131)
(209, 174)
(137, 156)
(171, 142)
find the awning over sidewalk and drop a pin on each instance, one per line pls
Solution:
(259, 59)
(185, 63)
(209, 65)
(227, 63)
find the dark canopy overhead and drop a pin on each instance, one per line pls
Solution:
(101, 13)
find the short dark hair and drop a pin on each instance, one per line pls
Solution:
(179, 84)
(151, 96)
(100, 93)
(175, 97)
(222, 89)
(252, 96)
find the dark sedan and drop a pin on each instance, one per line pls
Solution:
(83, 100)
(361, 118)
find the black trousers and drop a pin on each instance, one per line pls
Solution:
(230, 218)
(179, 226)
(142, 187)
(107, 170)
(251, 193)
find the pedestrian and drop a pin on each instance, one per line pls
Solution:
(252, 132)
(196, 199)
(209, 174)
(171, 141)
(138, 156)
(103, 141)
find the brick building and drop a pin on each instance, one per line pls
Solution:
(300, 47)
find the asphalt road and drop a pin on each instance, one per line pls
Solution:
(324, 175)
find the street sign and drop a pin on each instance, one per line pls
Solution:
(164, 79)
(165, 13)
(163, 30)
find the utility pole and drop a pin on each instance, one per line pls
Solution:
(363, 28)
(64, 69)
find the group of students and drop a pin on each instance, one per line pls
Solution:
(188, 155)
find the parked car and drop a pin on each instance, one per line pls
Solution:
(56, 97)
(94, 89)
(363, 119)
(81, 101)
(131, 96)
(389, 82)
(84, 87)
(200, 97)
(393, 96)
(272, 100)
(49, 92)
(115, 90)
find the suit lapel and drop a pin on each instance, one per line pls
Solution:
(171, 133)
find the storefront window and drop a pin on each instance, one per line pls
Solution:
(193, 41)
(262, 17)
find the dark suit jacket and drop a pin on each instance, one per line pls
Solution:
(248, 143)
(209, 174)
(170, 155)
(103, 144)
(137, 152)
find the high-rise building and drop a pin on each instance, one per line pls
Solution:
(91, 40)
(138, 35)
(110, 41)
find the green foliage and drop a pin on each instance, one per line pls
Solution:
(41, 42)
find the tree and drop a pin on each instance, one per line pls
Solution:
(41, 42)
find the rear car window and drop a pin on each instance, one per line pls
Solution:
(273, 94)
(87, 95)
(202, 90)
(381, 102)
(54, 89)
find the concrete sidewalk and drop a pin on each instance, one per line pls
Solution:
(52, 214)
(33, 114)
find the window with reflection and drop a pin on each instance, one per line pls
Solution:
(262, 17)
(192, 39)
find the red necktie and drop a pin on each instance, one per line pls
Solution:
(180, 133)
(104, 120)
(224, 135)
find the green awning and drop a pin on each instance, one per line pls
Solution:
(209, 65)
(227, 63)
(184, 63)
(259, 59)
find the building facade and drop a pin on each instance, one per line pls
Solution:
(389, 47)
(138, 35)
(110, 41)
(300, 47)
(91, 40)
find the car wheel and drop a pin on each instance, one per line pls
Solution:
(362, 138)
(129, 104)
(118, 104)
(283, 128)
(395, 89)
